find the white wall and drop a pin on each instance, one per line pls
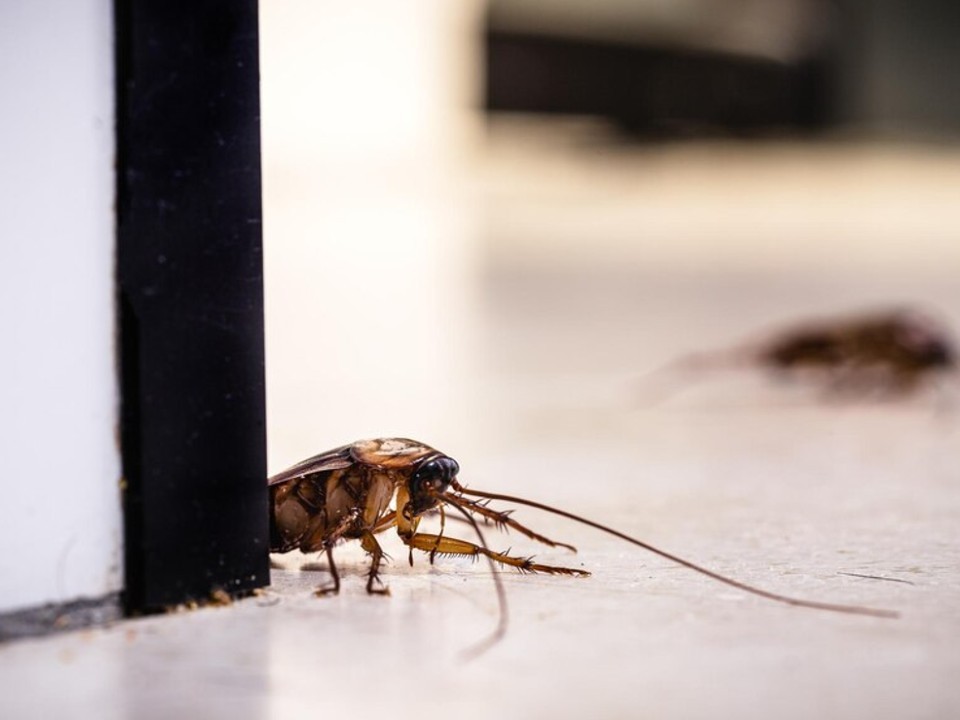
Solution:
(59, 459)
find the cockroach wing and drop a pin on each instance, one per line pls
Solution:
(325, 461)
(391, 453)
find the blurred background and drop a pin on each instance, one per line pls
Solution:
(485, 220)
(487, 224)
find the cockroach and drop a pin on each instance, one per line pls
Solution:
(346, 494)
(889, 353)
(901, 347)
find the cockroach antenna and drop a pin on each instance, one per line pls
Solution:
(833, 607)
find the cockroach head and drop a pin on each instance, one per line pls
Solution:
(430, 479)
(925, 342)
(939, 354)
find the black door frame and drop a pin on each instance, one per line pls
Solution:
(190, 296)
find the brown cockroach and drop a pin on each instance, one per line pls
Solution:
(900, 348)
(888, 353)
(346, 494)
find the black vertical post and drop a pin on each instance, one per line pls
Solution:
(191, 299)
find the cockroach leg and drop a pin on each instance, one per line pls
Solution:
(386, 522)
(443, 525)
(431, 543)
(369, 543)
(335, 588)
(319, 537)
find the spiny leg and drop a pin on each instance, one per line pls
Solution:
(443, 525)
(318, 538)
(386, 522)
(452, 546)
(369, 543)
(330, 589)
(502, 519)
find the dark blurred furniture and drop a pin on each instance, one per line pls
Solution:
(883, 66)
(657, 91)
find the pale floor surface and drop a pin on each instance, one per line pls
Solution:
(788, 500)
(762, 481)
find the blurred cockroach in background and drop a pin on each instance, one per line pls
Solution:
(347, 494)
(885, 354)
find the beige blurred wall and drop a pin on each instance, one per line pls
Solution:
(367, 122)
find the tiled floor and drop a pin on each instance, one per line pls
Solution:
(527, 371)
